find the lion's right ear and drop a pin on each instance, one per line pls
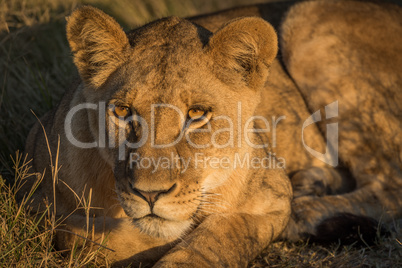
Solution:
(98, 43)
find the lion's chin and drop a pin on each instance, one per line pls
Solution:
(158, 227)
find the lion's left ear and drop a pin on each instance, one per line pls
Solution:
(98, 43)
(245, 46)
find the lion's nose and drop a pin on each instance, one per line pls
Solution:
(152, 196)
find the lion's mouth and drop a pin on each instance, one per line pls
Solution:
(157, 226)
(151, 216)
(165, 217)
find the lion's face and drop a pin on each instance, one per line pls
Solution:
(176, 113)
(175, 107)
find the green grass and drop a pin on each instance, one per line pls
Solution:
(35, 70)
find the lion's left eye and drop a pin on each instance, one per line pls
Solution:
(121, 111)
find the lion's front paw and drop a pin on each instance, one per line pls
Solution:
(316, 219)
(307, 214)
(328, 219)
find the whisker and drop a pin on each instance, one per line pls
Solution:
(216, 201)
(208, 209)
(212, 204)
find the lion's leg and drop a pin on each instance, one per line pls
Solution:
(223, 234)
(119, 238)
(309, 212)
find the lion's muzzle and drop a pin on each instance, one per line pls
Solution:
(152, 196)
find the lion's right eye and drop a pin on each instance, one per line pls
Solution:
(197, 117)
(121, 112)
(196, 114)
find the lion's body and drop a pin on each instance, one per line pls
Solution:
(225, 216)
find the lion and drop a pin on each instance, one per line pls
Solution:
(192, 143)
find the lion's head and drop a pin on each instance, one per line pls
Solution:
(176, 99)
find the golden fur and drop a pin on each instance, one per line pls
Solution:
(210, 216)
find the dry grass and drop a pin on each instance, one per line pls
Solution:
(35, 69)
(27, 237)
